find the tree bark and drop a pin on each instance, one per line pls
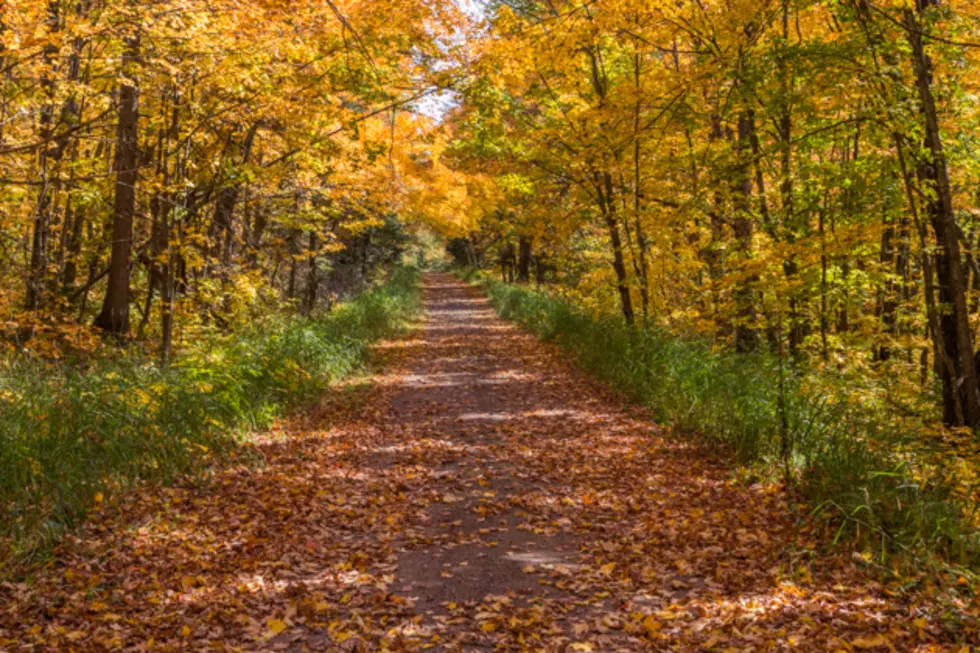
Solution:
(524, 260)
(114, 317)
(791, 268)
(162, 256)
(934, 175)
(607, 207)
(746, 334)
(641, 239)
(48, 159)
(312, 278)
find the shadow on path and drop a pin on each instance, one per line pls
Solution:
(481, 494)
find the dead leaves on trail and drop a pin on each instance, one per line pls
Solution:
(257, 554)
(480, 496)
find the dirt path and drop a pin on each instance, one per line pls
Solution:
(480, 495)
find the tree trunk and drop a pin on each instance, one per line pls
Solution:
(791, 268)
(746, 334)
(474, 261)
(161, 235)
(114, 317)
(934, 174)
(886, 299)
(49, 157)
(524, 260)
(312, 279)
(641, 239)
(824, 317)
(713, 254)
(225, 203)
(607, 206)
(291, 247)
(760, 180)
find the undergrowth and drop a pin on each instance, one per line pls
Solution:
(71, 438)
(878, 478)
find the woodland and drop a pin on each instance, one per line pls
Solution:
(755, 221)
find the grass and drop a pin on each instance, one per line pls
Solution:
(872, 474)
(72, 438)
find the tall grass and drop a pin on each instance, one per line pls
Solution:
(873, 474)
(70, 438)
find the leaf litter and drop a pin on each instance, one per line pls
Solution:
(480, 495)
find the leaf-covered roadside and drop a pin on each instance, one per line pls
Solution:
(873, 476)
(72, 438)
(486, 458)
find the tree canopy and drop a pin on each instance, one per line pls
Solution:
(188, 163)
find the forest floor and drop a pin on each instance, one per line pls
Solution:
(477, 494)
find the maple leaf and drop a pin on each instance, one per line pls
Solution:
(651, 625)
(275, 626)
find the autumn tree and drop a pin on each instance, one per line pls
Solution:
(790, 175)
(173, 159)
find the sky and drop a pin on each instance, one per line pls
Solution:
(437, 105)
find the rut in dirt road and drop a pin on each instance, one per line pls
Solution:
(479, 494)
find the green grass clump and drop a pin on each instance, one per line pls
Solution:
(70, 437)
(868, 470)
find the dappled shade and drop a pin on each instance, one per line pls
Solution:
(425, 506)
